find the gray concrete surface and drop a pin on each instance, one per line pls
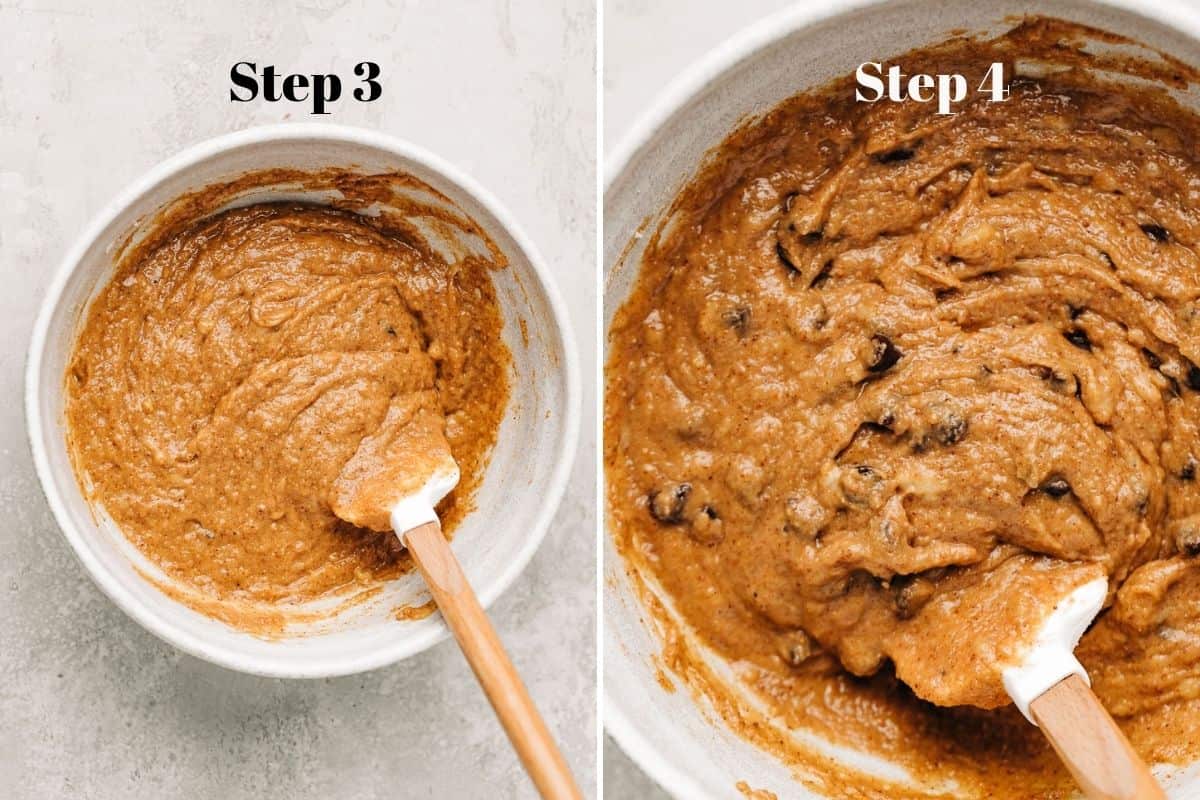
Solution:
(646, 44)
(91, 95)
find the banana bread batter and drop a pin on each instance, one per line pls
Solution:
(889, 380)
(228, 376)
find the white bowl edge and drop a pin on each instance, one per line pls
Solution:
(678, 94)
(35, 424)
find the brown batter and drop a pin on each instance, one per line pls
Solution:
(890, 380)
(242, 372)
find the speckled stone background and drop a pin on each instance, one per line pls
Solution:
(93, 94)
(647, 43)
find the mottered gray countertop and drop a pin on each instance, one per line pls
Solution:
(91, 96)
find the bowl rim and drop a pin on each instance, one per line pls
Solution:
(680, 91)
(283, 664)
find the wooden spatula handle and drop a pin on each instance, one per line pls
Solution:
(1089, 742)
(495, 672)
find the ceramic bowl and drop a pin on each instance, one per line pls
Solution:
(668, 734)
(524, 480)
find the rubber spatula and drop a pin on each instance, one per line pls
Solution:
(399, 476)
(1052, 689)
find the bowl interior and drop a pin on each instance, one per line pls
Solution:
(677, 741)
(528, 461)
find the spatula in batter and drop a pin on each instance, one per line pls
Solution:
(1052, 689)
(395, 480)
(1010, 634)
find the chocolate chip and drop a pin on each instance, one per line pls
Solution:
(862, 486)
(951, 429)
(897, 156)
(1156, 232)
(1058, 383)
(1076, 311)
(942, 295)
(1188, 472)
(1151, 358)
(1079, 338)
(812, 237)
(737, 318)
(1193, 377)
(1187, 535)
(1056, 487)
(884, 354)
(667, 505)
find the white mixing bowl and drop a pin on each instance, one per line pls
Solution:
(525, 478)
(667, 734)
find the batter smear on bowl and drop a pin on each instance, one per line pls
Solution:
(888, 378)
(232, 374)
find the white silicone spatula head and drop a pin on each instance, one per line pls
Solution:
(396, 479)
(1052, 689)
(1051, 655)
(417, 507)
(399, 474)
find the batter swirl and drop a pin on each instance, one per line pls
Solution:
(889, 379)
(227, 375)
